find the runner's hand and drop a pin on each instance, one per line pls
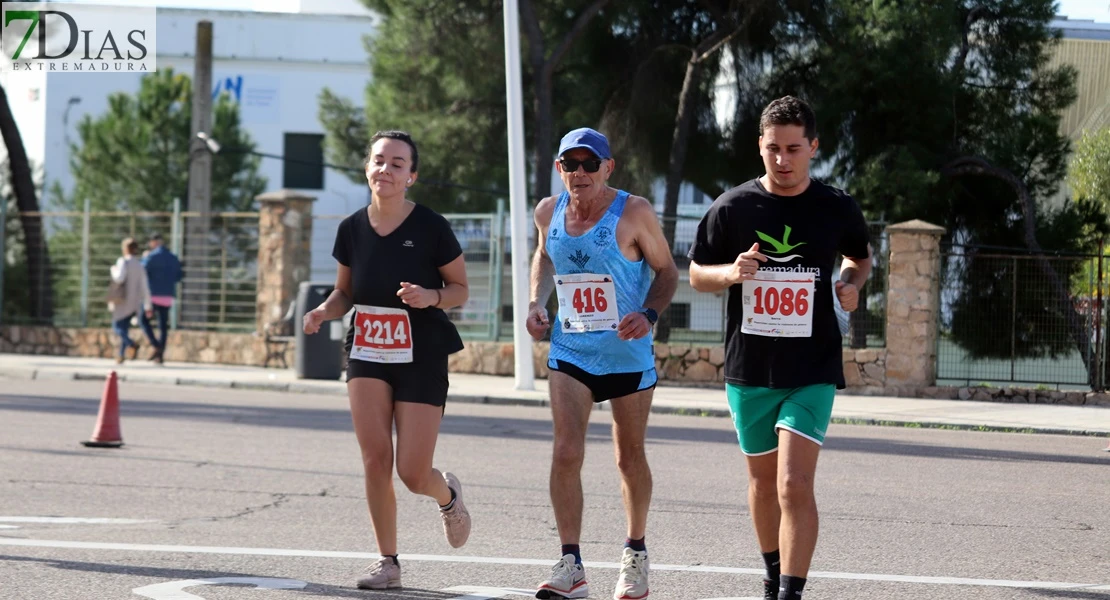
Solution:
(312, 321)
(747, 264)
(537, 322)
(848, 295)
(633, 326)
(416, 296)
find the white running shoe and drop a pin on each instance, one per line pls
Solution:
(633, 581)
(568, 580)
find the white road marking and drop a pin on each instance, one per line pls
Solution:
(1051, 585)
(9, 526)
(175, 590)
(74, 520)
(488, 593)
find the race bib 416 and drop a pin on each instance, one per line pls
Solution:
(587, 302)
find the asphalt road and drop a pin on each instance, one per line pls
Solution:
(219, 490)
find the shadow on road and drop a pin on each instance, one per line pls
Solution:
(167, 575)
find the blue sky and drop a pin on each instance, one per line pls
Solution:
(1098, 10)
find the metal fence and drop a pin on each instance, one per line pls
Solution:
(77, 250)
(1021, 319)
(220, 287)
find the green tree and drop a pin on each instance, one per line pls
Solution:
(437, 72)
(17, 302)
(134, 158)
(37, 264)
(1089, 169)
(949, 111)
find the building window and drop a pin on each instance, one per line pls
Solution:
(680, 315)
(304, 161)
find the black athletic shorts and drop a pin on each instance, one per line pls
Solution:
(609, 386)
(424, 382)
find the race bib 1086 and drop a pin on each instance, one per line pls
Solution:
(778, 304)
(587, 302)
(382, 335)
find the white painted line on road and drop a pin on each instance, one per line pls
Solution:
(31, 543)
(74, 520)
(9, 526)
(175, 590)
(488, 593)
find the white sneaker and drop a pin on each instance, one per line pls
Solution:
(633, 581)
(568, 580)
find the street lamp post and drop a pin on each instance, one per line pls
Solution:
(518, 200)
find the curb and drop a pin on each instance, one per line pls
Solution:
(304, 387)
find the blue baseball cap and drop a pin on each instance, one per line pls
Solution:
(585, 138)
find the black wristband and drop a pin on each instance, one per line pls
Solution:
(651, 315)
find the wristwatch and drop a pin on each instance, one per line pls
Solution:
(651, 315)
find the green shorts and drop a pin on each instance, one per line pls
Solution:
(759, 413)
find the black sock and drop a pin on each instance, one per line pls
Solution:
(790, 587)
(771, 560)
(392, 557)
(575, 550)
(637, 545)
(449, 504)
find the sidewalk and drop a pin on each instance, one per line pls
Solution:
(487, 389)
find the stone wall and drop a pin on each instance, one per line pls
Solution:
(684, 364)
(995, 394)
(184, 346)
(865, 367)
(679, 364)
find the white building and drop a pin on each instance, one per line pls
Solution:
(274, 64)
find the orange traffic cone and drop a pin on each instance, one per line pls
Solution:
(107, 432)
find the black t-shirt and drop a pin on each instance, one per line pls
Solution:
(413, 252)
(809, 231)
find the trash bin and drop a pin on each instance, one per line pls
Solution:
(317, 356)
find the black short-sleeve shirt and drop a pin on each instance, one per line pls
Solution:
(802, 233)
(413, 252)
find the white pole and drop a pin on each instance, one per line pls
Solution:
(518, 199)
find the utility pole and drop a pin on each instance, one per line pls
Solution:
(195, 293)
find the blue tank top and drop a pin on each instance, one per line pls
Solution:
(596, 251)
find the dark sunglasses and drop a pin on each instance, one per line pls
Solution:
(570, 165)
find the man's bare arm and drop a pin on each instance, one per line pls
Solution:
(543, 270)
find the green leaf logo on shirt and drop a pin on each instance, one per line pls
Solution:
(780, 247)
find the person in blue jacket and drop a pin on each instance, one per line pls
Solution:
(163, 271)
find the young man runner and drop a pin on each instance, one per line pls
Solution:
(773, 243)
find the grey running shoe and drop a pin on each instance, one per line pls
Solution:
(381, 574)
(456, 520)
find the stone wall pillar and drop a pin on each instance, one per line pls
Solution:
(284, 251)
(912, 305)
